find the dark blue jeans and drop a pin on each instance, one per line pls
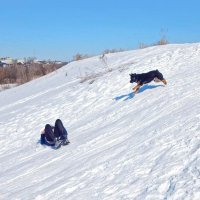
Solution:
(52, 133)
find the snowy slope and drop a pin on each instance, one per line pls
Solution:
(123, 146)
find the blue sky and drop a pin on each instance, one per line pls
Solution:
(59, 29)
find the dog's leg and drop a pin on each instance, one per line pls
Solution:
(136, 88)
(158, 80)
(160, 77)
(164, 81)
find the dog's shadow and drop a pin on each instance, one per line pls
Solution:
(126, 97)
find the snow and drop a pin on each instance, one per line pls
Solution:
(123, 146)
(7, 86)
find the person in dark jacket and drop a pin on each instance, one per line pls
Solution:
(54, 136)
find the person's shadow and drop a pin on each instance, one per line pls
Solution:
(131, 95)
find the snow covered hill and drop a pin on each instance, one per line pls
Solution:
(123, 146)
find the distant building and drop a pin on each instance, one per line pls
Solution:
(3, 64)
(20, 61)
(58, 62)
(7, 60)
(40, 61)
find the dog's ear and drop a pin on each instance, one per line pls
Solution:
(130, 74)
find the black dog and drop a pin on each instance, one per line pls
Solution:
(144, 78)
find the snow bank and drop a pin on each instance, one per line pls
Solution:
(123, 146)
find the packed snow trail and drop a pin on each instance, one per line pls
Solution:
(123, 146)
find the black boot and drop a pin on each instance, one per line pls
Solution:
(65, 141)
(58, 143)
